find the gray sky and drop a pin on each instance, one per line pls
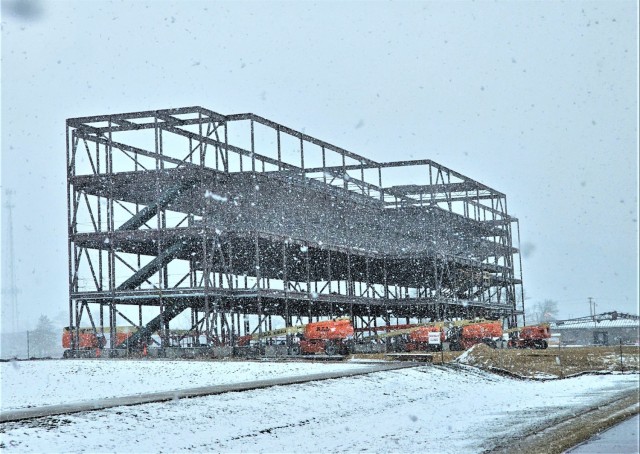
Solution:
(538, 100)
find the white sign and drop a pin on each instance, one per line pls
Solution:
(434, 338)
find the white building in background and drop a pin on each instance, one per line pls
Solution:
(608, 328)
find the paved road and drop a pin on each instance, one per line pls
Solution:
(50, 410)
(620, 439)
(565, 432)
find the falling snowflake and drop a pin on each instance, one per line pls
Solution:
(218, 198)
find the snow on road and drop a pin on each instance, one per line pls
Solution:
(424, 409)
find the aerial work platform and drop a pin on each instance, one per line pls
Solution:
(243, 223)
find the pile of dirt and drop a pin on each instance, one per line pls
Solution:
(480, 355)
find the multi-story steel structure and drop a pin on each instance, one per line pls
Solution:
(235, 219)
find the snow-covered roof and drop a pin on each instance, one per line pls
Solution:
(590, 324)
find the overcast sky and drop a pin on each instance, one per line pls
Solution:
(538, 100)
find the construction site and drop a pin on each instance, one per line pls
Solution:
(193, 232)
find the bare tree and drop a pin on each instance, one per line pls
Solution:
(543, 312)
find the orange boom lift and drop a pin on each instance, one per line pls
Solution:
(329, 336)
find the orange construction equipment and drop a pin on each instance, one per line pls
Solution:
(243, 341)
(419, 339)
(531, 337)
(328, 337)
(87, 338)
(464, 337)
(122, 337)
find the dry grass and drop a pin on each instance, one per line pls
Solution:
(552, 362)
(555, 362)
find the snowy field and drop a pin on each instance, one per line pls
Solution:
(424, 409)
(38, 383)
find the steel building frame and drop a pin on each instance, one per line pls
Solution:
(237, 219)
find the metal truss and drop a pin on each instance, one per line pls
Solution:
(238, 220)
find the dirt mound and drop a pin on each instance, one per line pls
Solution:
(479, 355)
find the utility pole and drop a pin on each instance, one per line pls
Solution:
(592, 308)
(12, 291)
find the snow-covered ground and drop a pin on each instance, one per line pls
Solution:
(38, 383)
(424, 409)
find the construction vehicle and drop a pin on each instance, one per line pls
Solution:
(87, 338)
(249, 339)
(530, 337)
(418, 339)
(330, 337)
(466, 336)
(244, 341)
(90, 339)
